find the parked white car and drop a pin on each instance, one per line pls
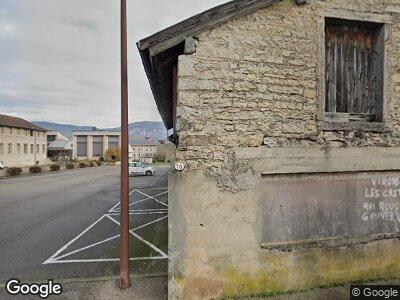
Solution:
(2, 166)
(138, 168)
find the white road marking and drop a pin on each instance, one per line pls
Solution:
(74, 239)
(105, 240)
(141, 212)
(142, 239)
(87, 247)
(102, 260)
(112, 208)
(152, 189)
(160, 176)
(150, 197)
(152, 222)
(56, 257)
(139, 201)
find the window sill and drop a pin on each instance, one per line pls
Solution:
(356, 126)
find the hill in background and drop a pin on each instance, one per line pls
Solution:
(137, 129)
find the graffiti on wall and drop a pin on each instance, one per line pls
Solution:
(382, 200)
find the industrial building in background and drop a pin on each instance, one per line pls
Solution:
(22, 143)
(94, 144)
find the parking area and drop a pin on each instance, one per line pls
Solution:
(99, 242)
(73, 231)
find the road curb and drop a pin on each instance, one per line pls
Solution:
(50, 172)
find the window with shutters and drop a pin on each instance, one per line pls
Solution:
(354, 71)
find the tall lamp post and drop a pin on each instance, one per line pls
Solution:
(124, 237)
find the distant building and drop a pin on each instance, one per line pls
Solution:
(166, 151)
(60, 150)
(94, 144)
(54, 136)
(143, 150)
(21, 142)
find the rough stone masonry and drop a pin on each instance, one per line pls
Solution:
(250, 103)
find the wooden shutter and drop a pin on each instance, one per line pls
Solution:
(352, 62)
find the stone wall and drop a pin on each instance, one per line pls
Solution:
(166, 151)
(256, 80)
(18, 158)
(255, 83)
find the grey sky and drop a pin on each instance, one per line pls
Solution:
(59, 59)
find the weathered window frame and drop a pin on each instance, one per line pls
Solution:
(328, 125)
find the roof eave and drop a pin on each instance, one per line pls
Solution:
(172, 36)
(204, 21)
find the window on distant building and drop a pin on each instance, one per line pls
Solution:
(10, 148)
(81, 145)
(25, 148)
(97, 146)
(112, 142)
(31, 148)
(354, 65)
(18, 148)
(1, 148)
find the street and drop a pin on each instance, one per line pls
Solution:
(66, 225)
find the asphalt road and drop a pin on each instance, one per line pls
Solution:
(65, 225)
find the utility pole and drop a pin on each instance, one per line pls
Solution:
(124, 237)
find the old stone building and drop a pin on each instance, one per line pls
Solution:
(286, 115)
(22, 143)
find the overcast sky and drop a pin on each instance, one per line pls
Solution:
(59, 59)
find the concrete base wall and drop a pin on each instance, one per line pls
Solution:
(216, 235)
(215, 248)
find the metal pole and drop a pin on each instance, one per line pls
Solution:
(124, 238)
